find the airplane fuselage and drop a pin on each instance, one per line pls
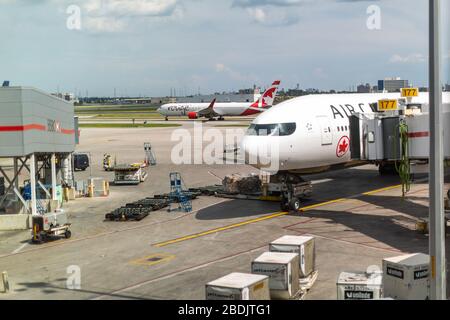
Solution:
(314, 132)
(220, 108)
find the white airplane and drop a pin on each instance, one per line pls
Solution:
(221, 109)
(309, 134)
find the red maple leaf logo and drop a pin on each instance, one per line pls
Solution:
(269, 93)
(343, 146)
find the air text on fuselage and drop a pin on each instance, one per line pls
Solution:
(346, 110)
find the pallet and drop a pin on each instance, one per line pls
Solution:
(306, 285)
(308, 282)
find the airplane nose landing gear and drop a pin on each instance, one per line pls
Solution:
(293, 188)
(293, 205)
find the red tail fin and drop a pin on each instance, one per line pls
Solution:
(267, 98)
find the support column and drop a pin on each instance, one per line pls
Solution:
(53, 169)
(33, 185)
(438, 272)
(16, 170)
(72, 182)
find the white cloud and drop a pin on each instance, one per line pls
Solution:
(104, 24)
(410, 58)
(113, 15)
(220, 67)
(257, 14)
(232, 74)
(281, 3)
(117, 8)
(320, 73)
(271, 17)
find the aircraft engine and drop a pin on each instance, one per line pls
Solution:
(192, 115)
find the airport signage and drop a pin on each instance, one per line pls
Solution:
(410, 92)
(387, 105)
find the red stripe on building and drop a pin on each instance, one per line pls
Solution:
(23, 128)
(33, 126)
(68, 131)
(422, 134)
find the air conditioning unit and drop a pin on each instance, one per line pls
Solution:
(283, 272)
(406, 277)
(239, 286)
(303, 246)
(359, 286)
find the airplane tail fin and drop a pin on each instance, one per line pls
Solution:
(267, 98)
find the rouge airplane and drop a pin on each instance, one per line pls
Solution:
(221, 109)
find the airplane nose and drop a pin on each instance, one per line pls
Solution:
(251, 149)
(261, 153)
(246, 150)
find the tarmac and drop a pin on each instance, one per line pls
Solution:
(356, 216)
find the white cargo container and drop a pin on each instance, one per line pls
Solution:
(283, 272)
(239, 286)
(406, 277)
(359, 286)
(303, 245)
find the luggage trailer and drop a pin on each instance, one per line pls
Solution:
(132, 174)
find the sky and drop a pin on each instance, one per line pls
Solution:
(149, 47)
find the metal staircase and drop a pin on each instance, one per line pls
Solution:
(178, 195)
(150, 158)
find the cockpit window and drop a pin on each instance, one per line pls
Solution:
(274, 129)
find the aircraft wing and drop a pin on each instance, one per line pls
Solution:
(209, 111)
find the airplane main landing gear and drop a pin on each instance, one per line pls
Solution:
(221, 119)
(167, 118)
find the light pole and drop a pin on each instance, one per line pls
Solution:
(437, 229)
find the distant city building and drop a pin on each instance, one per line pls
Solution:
(247, 91)
(364, 88)
(392, 84)
(295, 92)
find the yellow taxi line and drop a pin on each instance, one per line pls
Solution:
(268, 217)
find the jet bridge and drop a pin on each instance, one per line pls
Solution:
(397, 137)
(387, 137)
